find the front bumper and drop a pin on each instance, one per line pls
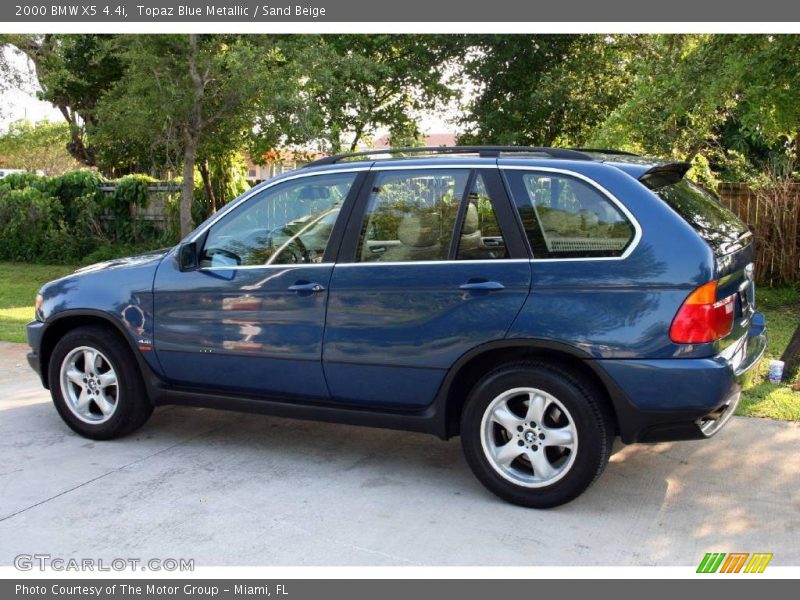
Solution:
(34, 329)
(683, 399)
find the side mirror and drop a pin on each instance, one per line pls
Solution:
(188, 259)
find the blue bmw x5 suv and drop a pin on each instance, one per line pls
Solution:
(538, 302)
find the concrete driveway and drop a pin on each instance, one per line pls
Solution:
(232, 489)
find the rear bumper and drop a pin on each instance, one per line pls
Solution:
(683, 399)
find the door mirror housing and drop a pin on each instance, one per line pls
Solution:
(188, 256)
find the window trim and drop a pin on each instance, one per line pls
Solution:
(637, 228)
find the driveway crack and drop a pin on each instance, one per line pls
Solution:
(117, 470)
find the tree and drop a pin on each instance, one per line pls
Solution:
(714, 97)
(37, 147)
(74, 72)
(724, 101)
(353, 84)
(542, 90)
(183, 96)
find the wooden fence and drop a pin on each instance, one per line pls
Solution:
(774, 217)
(156, 209)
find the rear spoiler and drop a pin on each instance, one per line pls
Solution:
(663, 175)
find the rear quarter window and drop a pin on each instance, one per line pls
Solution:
(565, 217)
(701, 209)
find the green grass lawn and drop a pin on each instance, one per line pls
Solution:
(20, 282)
(781, 306)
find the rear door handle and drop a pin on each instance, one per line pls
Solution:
(307, 287)
(482, 286)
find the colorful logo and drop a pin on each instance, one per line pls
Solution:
(734, 562)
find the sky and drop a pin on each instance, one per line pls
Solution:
(22, 104)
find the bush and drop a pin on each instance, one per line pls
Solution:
(68, 219)
(130, 194)
(32, 226)
(69, 187)
(20, 181)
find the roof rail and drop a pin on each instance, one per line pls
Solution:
(605, 151)
(482, 151)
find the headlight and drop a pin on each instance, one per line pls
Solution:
(38, 308)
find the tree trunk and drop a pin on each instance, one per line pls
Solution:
(357, 137)
(187, 192)
(206, 175)
(191, 136)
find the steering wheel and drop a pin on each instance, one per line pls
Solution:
(294, 247)
(296, 250)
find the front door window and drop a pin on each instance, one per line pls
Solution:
(289, 223)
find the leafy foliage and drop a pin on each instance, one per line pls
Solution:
(188, 97)
(543, 89)
(159, 103)
(731, 98)
(349, 85)
(74, 72)
(226, 176)
(32, 224)
(68, 219)
(36, 147)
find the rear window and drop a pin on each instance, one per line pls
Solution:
(722, 229)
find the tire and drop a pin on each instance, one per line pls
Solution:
(105, 400)
(555, 441)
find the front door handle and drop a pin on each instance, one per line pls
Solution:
(307, 287)
(482, 286)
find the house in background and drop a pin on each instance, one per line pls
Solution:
(277, 162)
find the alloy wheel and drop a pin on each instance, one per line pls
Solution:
(89, 385)
(529, 437)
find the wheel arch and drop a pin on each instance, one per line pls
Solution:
(66, 321)
(471, 367)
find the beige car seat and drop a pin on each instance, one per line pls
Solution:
(418, 233)
(471, 235)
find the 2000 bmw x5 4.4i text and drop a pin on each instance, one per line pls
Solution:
(537, 302)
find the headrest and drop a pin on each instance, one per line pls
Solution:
(419, 229)
(314, 192)
(471, 221)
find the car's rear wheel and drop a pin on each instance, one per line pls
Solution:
(536, 434)
(96, 385)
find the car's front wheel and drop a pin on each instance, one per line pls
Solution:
(95, 384)
(535, 434)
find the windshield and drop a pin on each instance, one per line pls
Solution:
(706, 214)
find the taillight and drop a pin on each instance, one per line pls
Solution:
(702, 318)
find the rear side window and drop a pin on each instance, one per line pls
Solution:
(565, 217)
(411, 214)
(703, 211)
